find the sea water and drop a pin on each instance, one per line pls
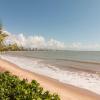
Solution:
(36, 61)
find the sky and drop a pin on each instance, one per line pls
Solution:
(68, 24)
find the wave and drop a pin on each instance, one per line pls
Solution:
(90, 81)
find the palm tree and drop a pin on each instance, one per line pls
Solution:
(0, 27)
(2, 38)
(14, 47)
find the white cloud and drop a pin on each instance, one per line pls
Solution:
(41, 42)
(6, 32)
(34, 41)
(54, 44)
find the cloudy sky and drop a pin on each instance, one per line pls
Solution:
(58, 24)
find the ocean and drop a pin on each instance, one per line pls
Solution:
(61, 58)
(78, 68)
(88, 56)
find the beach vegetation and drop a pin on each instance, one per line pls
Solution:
(12, 88)
(2, 38)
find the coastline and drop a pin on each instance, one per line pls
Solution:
(66, 92)
(79, 78)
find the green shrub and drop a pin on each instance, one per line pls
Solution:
(12, 88)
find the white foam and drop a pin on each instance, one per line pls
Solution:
(82, 80)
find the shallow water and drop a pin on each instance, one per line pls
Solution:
(63, 59)
(91, 56)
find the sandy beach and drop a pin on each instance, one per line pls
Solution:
(66, 92)
(51, 48)
(68, 75)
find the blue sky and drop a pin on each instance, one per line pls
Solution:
(64, 20)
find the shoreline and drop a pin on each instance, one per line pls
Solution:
(81, 79)
(69, 63)
(66, 92)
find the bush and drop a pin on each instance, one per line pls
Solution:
(12, 88)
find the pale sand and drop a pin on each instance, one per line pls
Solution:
(66, 92)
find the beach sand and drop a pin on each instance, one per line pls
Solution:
(66, 92)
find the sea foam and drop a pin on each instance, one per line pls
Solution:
(84, 79)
